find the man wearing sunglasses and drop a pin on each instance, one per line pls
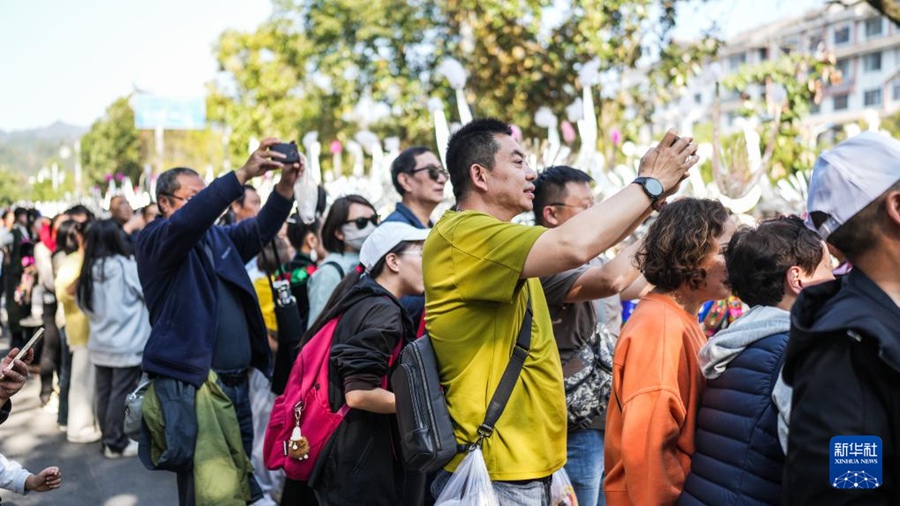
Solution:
(204, 311)
(419, 178)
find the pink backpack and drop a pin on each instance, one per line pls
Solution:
(302, 421)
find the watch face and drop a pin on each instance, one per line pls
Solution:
(654, 187)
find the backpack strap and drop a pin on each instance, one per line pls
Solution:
(336, 266)
(509, 379)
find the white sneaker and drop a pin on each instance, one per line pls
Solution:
(87, 436)
(130, 451)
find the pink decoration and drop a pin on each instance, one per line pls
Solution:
(615, 136)
(108, 177)
(568, 132)
(119, 176)
(336, 147)
(516, 133)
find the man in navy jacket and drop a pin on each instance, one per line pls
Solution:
(203, 308)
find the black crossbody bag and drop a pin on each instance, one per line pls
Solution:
(427, 441)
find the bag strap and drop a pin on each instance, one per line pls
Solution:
(336, 266)
(509, 379)
(262, 251)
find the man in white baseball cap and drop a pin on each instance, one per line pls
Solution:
(843, 357)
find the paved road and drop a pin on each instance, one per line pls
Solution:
(31, 437)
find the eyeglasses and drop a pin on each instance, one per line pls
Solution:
(362, 223)
(434, 172)
(176, 197)
(579, 206)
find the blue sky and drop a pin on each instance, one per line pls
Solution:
(68, 60)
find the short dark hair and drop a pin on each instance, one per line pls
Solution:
(297, 230)
(859, 233)
(677, 242)
(240, 200)
(337, 216)
(550, 186)
(471, 144)
(758, 258)
(81, 210)
(167, 183)
(405, 162)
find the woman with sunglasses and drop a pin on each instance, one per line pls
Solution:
(373, 327)
(350, 221)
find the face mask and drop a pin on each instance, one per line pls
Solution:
(354, 237)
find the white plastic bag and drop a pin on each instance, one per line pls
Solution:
(562, 493)
(470, 485)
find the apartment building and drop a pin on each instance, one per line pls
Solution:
(867, 48)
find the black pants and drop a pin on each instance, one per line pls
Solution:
(113, 384)
(51, 354)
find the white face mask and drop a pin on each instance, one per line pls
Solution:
(354, 237)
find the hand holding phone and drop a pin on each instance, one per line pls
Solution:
(289, 150)
(10, 365)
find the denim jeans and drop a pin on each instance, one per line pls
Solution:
(509, 493)
(585, 466)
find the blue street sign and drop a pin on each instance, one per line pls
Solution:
(151, 112)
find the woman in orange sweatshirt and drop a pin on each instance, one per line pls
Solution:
(657, 382)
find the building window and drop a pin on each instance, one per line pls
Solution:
(873, 27)
(896, 92)
(814, 44)
(736, 60)
(842, 35)
(815, 108)
(844, 66)
(698, 98)
(872, 62)
(763, 54)
(841, 102)
(872, 97)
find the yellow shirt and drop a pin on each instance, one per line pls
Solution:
(77, 326)
(474, 309)
(266, 302)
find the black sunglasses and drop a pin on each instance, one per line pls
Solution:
(434, 172)
(361, 223)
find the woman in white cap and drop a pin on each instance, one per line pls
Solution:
(373, 327)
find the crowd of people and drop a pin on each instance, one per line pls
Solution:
(681, 402)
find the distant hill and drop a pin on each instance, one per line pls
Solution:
(28, 150)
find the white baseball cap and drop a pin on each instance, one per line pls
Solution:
(385, 238)
(851, 176)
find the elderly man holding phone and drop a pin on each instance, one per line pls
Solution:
(203, 309)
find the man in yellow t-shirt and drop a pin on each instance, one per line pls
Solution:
(480, 270)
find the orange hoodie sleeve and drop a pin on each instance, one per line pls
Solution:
(651, 426)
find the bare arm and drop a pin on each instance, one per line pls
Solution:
(377, 400)
(590, 233)
(607, 279)
(638, 289)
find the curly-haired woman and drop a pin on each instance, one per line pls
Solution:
(657, 379)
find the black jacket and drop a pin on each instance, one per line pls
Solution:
(843, 361)
(361, 459)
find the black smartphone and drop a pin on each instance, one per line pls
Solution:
(289, 150)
